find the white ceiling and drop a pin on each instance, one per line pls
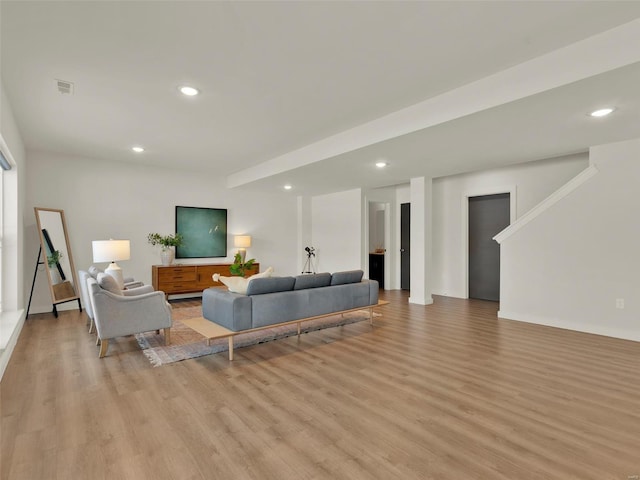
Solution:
(301, 92)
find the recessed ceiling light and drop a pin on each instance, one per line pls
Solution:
(603, 112)
(189, 91)
(381, 164)
(137, 149)
(288, 187)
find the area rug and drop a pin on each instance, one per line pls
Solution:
(187, 343)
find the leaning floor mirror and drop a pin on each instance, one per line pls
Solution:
(55, 254)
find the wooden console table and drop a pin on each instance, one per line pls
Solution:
(174, 279)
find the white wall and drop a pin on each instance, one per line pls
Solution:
(124, 201)
(376, 226)
(567, 267)
(336, 231)
(421, 252)
(532, 182)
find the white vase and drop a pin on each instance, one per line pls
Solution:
(167, 255)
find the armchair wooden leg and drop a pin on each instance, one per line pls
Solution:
(97, 341)
(103, 347)
(167, 336)
(90, 325)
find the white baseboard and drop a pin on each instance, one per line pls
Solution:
(570, 325)
(426, 301)
(11, 324)
(449, 294)
(61, 307)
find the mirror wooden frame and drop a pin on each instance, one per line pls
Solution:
(66, 290)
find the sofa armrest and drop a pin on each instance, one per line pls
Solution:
(129, 292)
(374, 290)
(231, 310)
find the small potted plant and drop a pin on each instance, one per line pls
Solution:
(52, 262)
(167, 244)
(240, 268)
(54, 258)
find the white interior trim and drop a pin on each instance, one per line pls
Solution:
(589, 57)
(547, 203)
(388, 261)
(11, 324)
(569, 325)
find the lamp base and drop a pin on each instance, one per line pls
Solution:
(116, 272)
(243, 254)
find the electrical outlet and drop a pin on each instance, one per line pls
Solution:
(620, 303)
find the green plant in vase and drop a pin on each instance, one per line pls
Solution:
(167, 244)
(240, 268)
(165, 241)
(54, 258)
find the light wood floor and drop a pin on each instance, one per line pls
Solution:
(446, 391)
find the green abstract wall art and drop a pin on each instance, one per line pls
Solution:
(204, 231)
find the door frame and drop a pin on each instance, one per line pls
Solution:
(511, 190)
(388, 261)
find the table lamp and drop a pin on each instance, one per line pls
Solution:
(112, 251)
(242, 242)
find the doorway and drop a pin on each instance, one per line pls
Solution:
(488, 216)
(405, 246)
(379, 238)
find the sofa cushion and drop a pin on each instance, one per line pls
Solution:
(261, 286)
(312, 281)
(350, 276)
(108, 283)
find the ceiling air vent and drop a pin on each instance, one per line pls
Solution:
(65, 87)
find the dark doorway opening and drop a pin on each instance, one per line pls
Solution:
(488, 216)
(405, 246)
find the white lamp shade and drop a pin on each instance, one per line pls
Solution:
(111, 250)
(242, 241)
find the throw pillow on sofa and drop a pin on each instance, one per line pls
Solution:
(240, 284)
(108, 283)
(94, 271)
(349, 276)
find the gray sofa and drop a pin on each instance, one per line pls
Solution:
(282, 299)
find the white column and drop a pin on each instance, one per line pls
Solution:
(421, 240)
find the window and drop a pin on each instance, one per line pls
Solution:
(1, 232)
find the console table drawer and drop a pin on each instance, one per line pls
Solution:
(174, 279)
(181, 275)
(175, 287)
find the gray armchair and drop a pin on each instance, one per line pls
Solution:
(132, 288)
(118, 315)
